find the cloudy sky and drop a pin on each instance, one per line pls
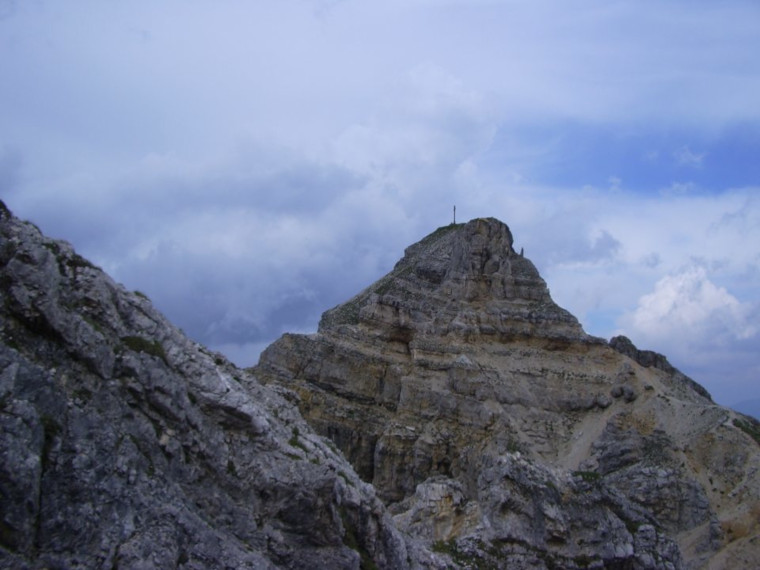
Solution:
(250, 164)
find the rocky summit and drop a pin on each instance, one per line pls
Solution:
(503, 436)
(449, 416)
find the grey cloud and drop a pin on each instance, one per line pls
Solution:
(246, 181)
(204, 295)
(684, 156)
(323, 8)
(7, 9)
(147, 203)
(308, 188)
(145, 228)
(728, 370)
(604, 247)
(10, 169)
(651, 260)
(221, 299)
(563, 238)
(218, 296)
(142, 34)
(746, 216)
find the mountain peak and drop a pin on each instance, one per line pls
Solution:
(462, 279)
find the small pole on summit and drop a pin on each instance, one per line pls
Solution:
(455, 214)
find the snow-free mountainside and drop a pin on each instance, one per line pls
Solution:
(451, 415)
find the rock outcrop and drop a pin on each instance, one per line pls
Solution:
(502, 435)
(123, 444)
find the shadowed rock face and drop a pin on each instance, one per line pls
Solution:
(498, 431)
(125, 445)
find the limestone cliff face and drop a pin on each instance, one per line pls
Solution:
(125, 445)
(500, 433)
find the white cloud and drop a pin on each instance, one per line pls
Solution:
(684, 156)
(679, 189)
(689, 308)
(703, 329)
(642, 274)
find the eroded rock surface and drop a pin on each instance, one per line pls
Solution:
(501, 434)
(125, 445)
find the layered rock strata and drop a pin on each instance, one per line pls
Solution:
(123, 444)
(501, 434)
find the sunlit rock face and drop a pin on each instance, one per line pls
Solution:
(497, 431)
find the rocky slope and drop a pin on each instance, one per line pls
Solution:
(125, 445)
(502, 435)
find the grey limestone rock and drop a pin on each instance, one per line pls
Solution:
(123, 444)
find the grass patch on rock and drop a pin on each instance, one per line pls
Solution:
(140, 344)
(750, 427)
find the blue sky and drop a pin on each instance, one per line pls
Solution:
(641, 160)
(250, 164)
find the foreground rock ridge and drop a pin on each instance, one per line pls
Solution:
(503, 436)
(123, 444)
